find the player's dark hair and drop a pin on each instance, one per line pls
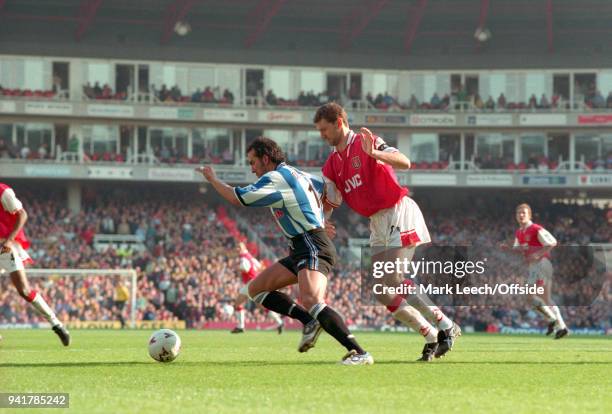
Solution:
(265, 146)
(330, 112)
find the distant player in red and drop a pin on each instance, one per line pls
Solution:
(535, 242)
(13, 256)
(360, 172)
(249, 269)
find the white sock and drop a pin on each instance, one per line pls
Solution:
(544, 310)
(560, 321)
(240, 317)
(430, 311)
(44, 310)
(275, 317)
(410, 317)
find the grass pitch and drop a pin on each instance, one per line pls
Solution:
(111, 372)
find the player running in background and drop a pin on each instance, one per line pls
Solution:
(535, 242)
(13, 256)
(360, 172)
(295, 200)
(249, 268)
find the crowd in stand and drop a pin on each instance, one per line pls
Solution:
(586, 96)
(211, 95)
(188, 263)
(208, 95)
(27, 93)
(102, 92)
(536, 162)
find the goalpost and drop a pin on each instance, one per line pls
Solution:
(93, 272)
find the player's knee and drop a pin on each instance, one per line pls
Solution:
(26, 293)
(537, 301)
(252, 290)
(310, 300)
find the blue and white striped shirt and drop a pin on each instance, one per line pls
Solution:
(294, 197)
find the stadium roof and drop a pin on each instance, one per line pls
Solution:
(344, 29)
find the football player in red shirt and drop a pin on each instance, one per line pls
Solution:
(535, 242)
(360, 171)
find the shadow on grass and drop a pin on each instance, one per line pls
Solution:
(179, 364)
(497, 362)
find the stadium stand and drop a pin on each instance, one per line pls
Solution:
(188, 271)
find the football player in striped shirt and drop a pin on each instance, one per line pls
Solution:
(294, 198)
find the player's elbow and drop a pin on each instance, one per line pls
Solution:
(403, 164)
(23, 215)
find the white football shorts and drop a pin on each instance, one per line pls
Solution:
(540, 272)
(14, 260)
(402, 225)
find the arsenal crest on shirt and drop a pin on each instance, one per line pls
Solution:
(356, 162)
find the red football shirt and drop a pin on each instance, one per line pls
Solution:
(366, 184)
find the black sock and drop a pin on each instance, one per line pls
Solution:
(333, 324)
(281, 303)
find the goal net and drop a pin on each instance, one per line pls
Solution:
(81, 298)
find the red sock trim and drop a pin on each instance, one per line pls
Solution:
(424, 330)
(31, 296)
(407, 282)
(438, 314)
(395, 304)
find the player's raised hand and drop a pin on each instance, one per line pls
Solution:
(367, 141)
(207, 172)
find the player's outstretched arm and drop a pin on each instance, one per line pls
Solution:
(226, 191)
(395, 159)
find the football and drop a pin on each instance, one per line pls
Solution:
(164, 345)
